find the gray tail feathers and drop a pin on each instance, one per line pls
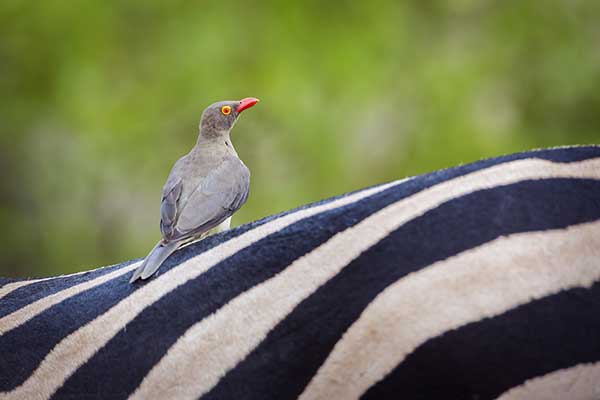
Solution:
(153, 261)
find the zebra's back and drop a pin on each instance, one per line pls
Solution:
(460, 284)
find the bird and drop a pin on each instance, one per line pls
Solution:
(204, 188)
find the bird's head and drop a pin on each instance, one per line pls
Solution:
(219, 118)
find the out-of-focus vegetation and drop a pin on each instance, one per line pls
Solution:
(99, 98)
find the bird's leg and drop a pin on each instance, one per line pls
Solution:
(193, 239)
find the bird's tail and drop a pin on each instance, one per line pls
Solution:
(153, 261)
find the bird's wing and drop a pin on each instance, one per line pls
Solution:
(221, 193)
(169, 206)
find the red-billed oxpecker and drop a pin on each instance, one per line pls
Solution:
(204, 188)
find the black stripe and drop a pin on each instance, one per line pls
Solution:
(6, 281)
(483, 359)
(35, 291)
(565, 155)
(283, 364)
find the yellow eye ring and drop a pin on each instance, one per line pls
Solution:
(226, 110)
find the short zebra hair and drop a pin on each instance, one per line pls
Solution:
(475, 282)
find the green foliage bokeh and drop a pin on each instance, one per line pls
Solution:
(98, 99)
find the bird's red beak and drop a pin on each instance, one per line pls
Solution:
(246, 103)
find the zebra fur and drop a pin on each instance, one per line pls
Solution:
(480, 281)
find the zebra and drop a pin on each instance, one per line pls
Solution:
(480, 281)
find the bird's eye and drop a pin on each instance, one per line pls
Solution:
(226, 110)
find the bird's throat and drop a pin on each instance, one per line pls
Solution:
(217, 144)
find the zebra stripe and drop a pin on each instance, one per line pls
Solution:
(373, 294)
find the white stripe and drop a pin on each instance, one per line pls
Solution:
(581, 382)
(22, 315)
(213, 346)
(82, 344)
(481, 282)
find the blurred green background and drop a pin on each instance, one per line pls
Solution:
(98, 99)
